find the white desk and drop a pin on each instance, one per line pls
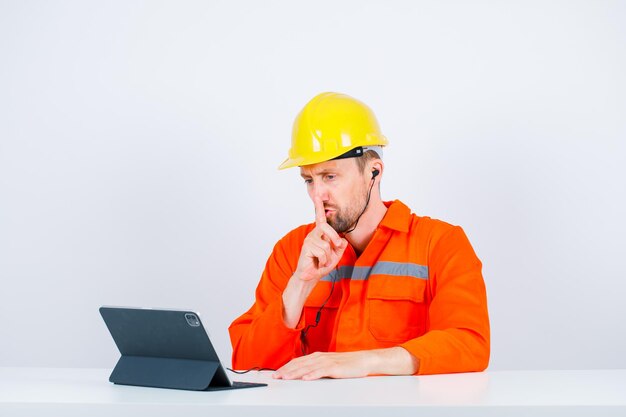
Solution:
(86, 392)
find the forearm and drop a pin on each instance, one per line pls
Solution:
(450, 350)
(294, 297)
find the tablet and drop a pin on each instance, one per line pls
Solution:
(165, 349)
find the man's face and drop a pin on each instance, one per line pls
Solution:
(341, 186)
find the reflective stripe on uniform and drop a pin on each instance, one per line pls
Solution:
(383, 268)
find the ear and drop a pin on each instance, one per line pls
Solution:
(376, 168)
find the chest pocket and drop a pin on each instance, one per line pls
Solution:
(396, 308)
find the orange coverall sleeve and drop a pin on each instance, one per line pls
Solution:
(259, 337)
(458, 336)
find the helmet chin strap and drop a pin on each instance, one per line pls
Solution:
(369, 193)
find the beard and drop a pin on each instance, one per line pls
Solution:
(342, 221)
(345, 218)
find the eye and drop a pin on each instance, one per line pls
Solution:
(330, 177)
(308, 181)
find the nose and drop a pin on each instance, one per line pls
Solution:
(320, 190)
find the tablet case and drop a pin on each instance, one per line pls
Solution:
(165, 349)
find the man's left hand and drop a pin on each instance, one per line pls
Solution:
(391, 361)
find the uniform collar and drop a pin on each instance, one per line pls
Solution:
(397, 217)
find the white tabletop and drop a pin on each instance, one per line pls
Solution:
(82, 392)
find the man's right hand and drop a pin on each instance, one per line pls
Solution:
(321, 252)
(322, 249)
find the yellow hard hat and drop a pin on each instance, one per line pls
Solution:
(329, 126)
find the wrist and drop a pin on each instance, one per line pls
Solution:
(393, 361)
(294, 296)
(298, 287)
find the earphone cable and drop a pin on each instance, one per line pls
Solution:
(369, 193)
(318, 316)
(256, 368)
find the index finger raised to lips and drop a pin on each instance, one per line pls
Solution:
(322, 224)
(320, 213)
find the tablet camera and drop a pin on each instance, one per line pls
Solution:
(192, 320)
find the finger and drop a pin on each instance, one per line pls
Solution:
(342, 245)
(301, 373)
(315, 374)
(326, 249)
(319, 254)
(332, 251)
(296, 368)
(331, 233)
(323, 245)
(320, 213)
(284, 371)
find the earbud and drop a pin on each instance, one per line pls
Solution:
(375, 173)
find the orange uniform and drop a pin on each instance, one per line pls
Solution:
(417, 284)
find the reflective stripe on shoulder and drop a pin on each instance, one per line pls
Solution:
(384, 268)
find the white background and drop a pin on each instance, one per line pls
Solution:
(139, 145)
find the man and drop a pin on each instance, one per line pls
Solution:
(369, 288)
